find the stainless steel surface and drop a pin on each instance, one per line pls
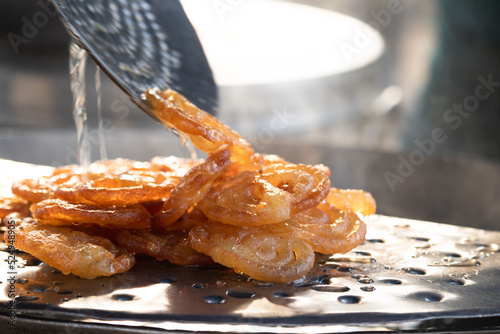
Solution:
(406, 274)
(142, 44)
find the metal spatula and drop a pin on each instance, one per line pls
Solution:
(142, 44)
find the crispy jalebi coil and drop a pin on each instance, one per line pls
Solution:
(171, 246)
(325, 169)
(327, 229)
(10, 205)
(308, 184)
(206, 132)
(153, 207)
(36, 190)
(113, 182)
(67, 190)
(355, 200)
(245, 199)
(128, 188)
(267, 253)
(252, 198)
(273, 159)
(59, 212)
(72, 251)
(17, 217)
(173, 164)
(192, 188)
(191, 218)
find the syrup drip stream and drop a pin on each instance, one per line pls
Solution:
(102, 143)
(77, 62)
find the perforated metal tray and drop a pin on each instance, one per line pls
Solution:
(406, 274)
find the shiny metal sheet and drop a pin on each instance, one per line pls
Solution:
(407, 273)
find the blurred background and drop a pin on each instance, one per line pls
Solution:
(396, 97)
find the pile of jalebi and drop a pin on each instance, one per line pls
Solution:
(257, 214)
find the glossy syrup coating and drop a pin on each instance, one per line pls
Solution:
(267, 197)
(59, 212)
(205, 131)
(172, 246)
(73, 251)
(328, 230)
(355, 200)
(266, 253)
(192, 188)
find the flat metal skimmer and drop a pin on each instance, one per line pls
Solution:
(406, 273)
(142, 44)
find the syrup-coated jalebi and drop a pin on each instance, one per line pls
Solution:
(171, 246)
(255, 213)
(114, 182)
(355, 200)
(273, 159)
(327, 229)
(266, 253)
(72, 251)
(58, 212)
(10, 205)
(133, 187)
(173, 164)
(253, 198)
(192, 188)
(36, 190)
(119, 182)
(308, 184)
(206, 132)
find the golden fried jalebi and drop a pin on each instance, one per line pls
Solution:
(13, 204)
(36, 190)
(252, 198)
(191, 218)
(205, 131)
(245, 199)
(192, 188)
(16, 217)
(128, 188)
(153, 207)
(171, 246)
(266, 253)
(273, 159)
(173, 164)
(114, 182)
(327, 229)
(118, 182)
(355, 200)
(59, 212)
(308, 184)
(72, 251)
(256, 213)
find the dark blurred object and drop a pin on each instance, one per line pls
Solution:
(463, 94)
(34, 66)
(33, 24)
